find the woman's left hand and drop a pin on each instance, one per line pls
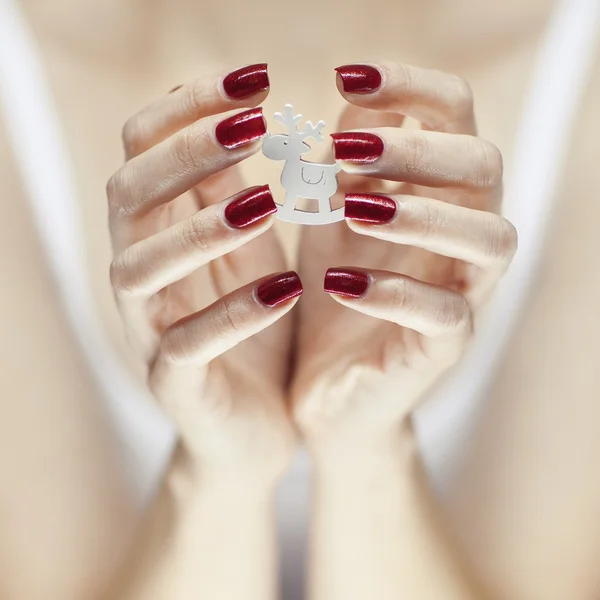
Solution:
(412, 264)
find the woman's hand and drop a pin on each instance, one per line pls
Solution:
(412, 264)
(193, 274)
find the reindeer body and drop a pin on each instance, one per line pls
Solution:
(300, 178)
(309, 180)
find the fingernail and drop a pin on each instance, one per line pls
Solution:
(346, 282)
(357, 146)
(243, 128)
(279, 289)
(250, 207)
(177, 87)
(246, 81)
(369, 208)
(359, 79)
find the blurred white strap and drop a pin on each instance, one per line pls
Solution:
(27, 111)
(551, 106)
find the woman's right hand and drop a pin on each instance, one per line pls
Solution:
(194, 273)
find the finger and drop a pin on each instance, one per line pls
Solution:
(355, 117)
(182, 161)
(440, 101)
(430, 310)
(220, 185)
(150, 265)
(481, 238)
(428, 158)
(194, 341)
(206, 96)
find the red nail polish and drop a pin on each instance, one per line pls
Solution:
(357, 146)
(369, 208)
(250, 207)
(359, 79)
(246, 81)
(243, 128)
(346, 282)
(279, 289)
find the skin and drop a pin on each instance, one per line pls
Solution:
(188, 496)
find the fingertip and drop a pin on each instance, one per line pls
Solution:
(249, 82)
(253, 207)
(339, 82)
(346, 282)
(279, 289)
(358, 147)
(359, 79)
(245, 128)
(356, 226)
(371, 209)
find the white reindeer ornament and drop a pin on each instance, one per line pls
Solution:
(300, 178)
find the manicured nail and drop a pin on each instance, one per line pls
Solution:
(177, 87)
(279, 289)
(359, 79)
(357, 146)
(346, 282)
(369, 208)
(250, 207)
(246, 81)
(243, 128)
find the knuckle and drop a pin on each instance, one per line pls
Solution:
(462, 96)
(194, 98)
(122, 279)
(117, 275)
(233, 316)
(415, 152)
(434, 218)
(185, 151)
(512, 238)
(176, 345)
(112, 191)
(406, 77)
(454, 314)
(501, 239)
(119, 193)
(401, 293)
(132, 135)
(196, 233)
(489, 164)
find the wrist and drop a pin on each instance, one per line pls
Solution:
(354, 456)
(189, 480)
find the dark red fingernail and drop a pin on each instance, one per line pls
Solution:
(280, 288)
(357, 146)
(346, 282)
(359, 79)
(246, 81)
(250, 207)
(243, 128)
(369, 208)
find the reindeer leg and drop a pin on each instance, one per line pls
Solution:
(324, 205)
(289, 204)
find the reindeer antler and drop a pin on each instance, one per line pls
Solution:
(313, 131)
(289, 119)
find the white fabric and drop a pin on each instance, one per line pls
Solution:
(443, 424)
(42, 157)
(557, 87)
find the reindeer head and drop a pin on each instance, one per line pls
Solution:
(284, 147)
